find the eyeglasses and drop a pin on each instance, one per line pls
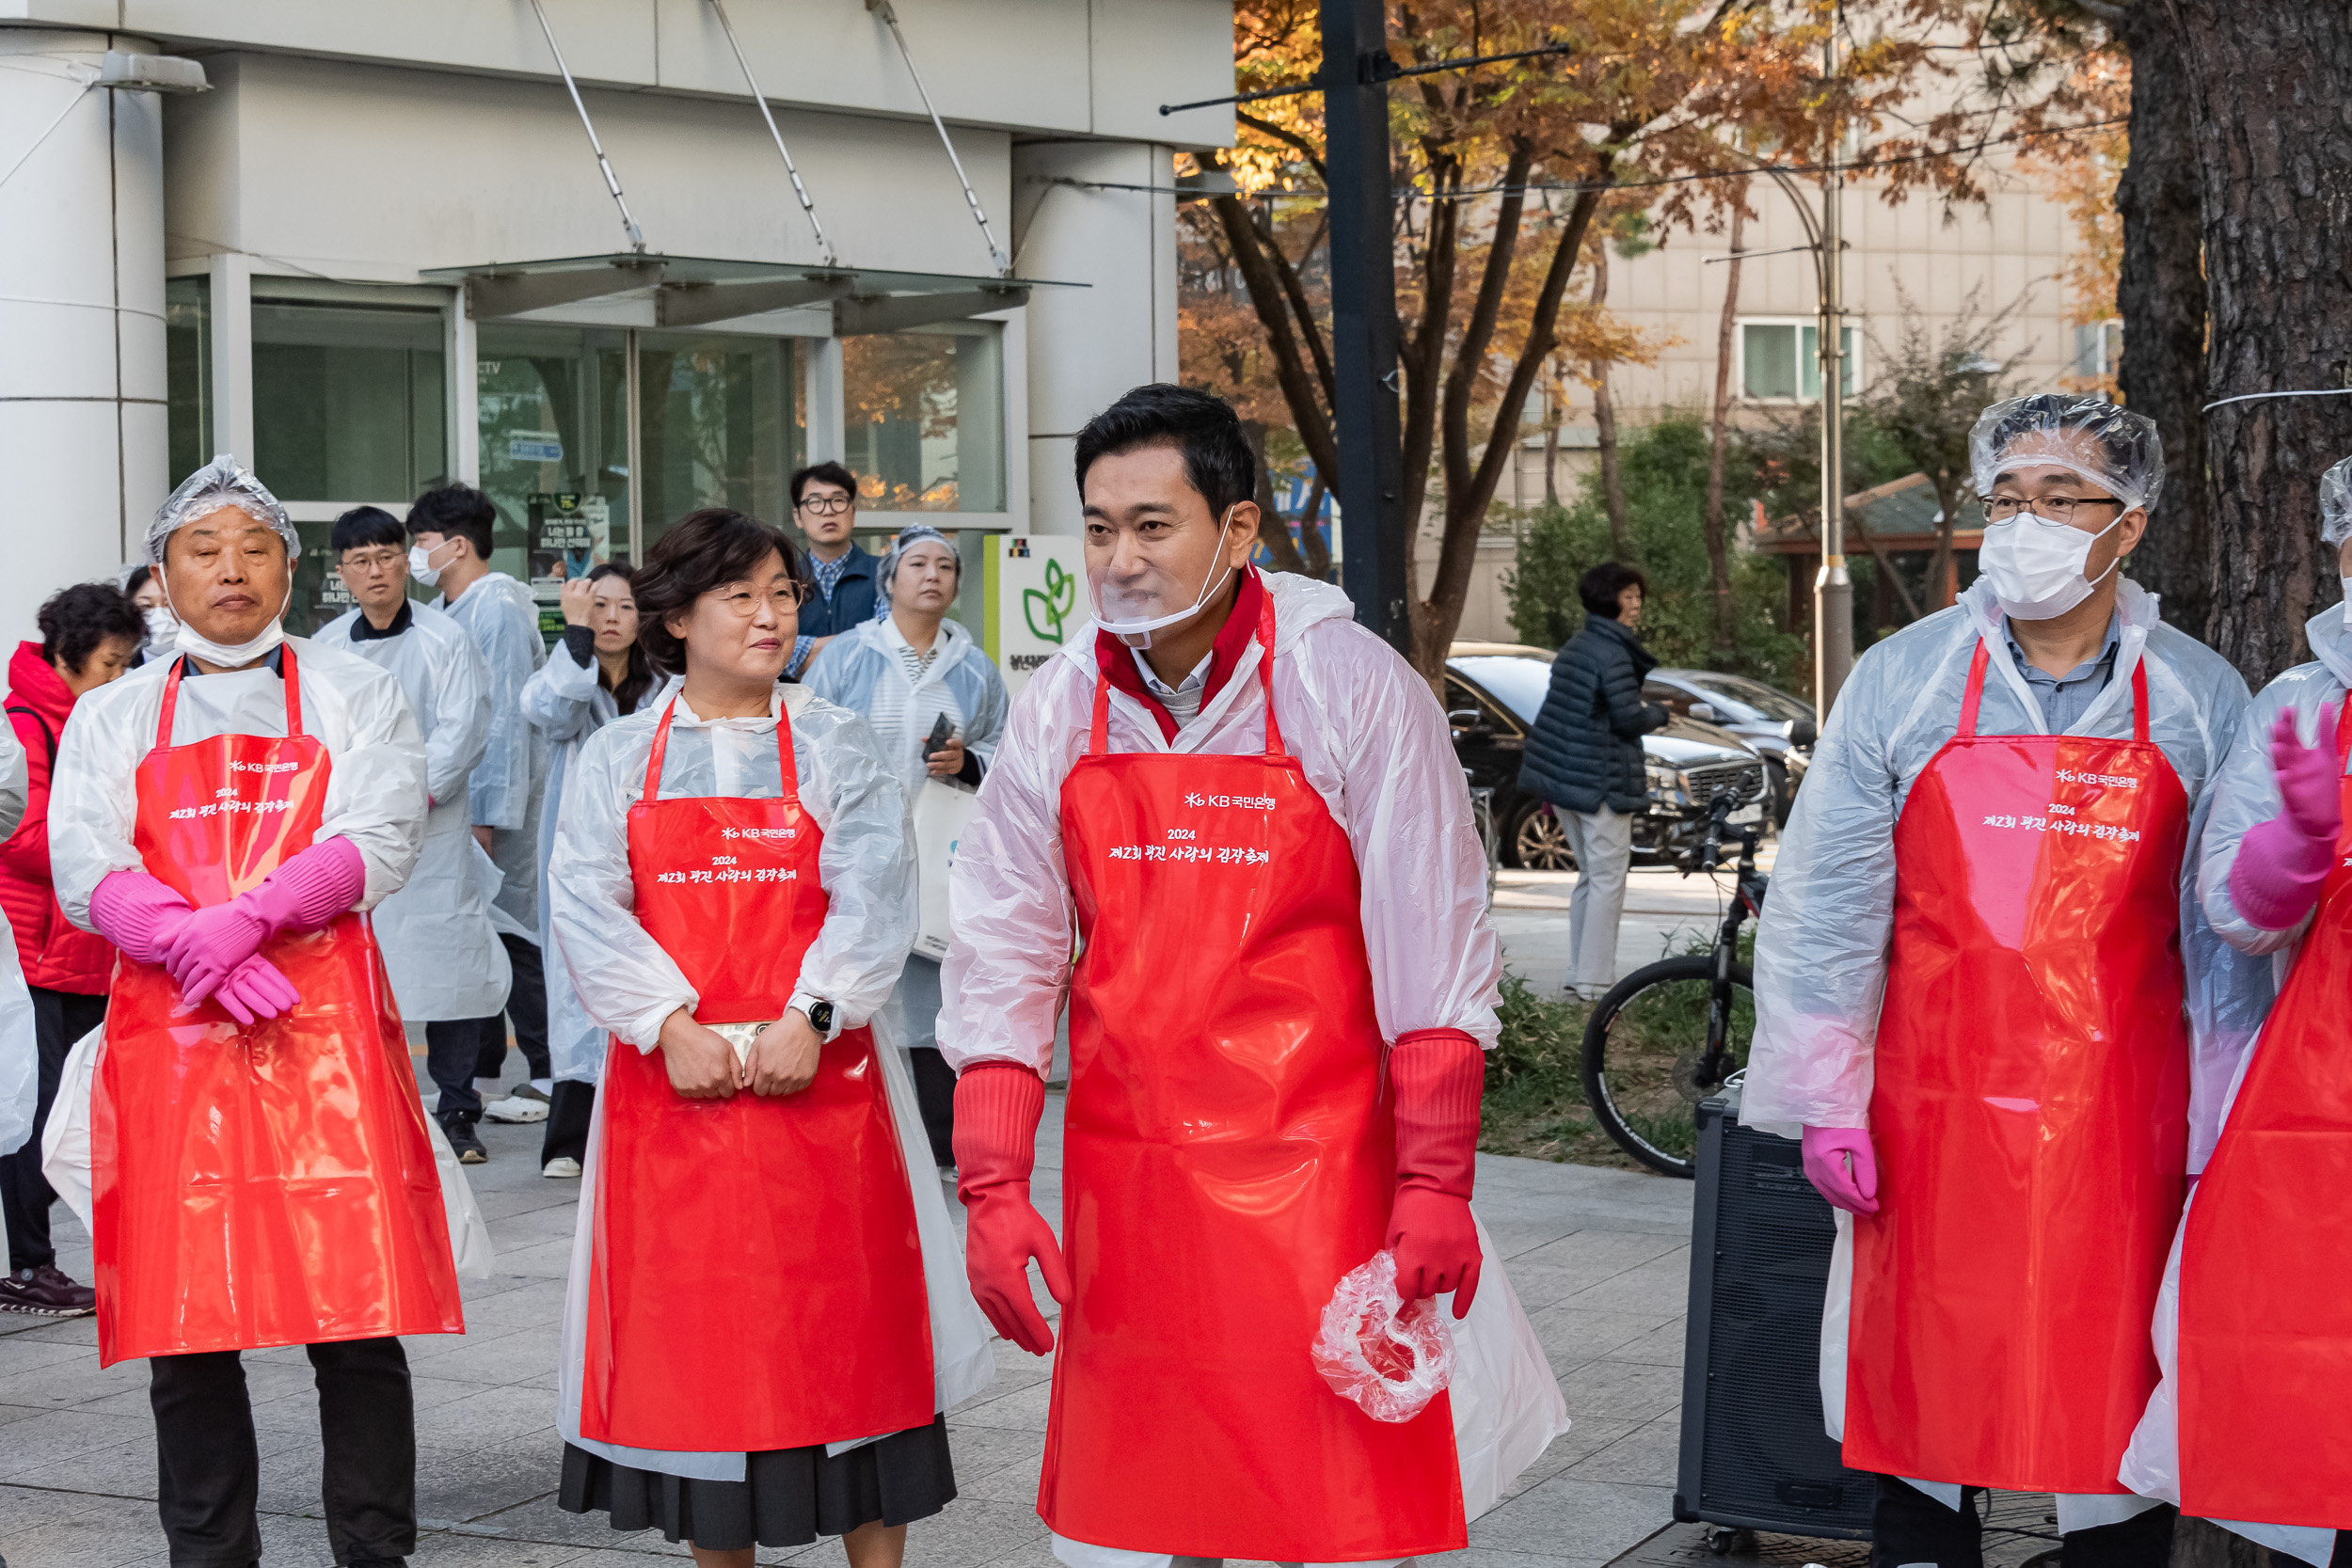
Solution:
(828, 506)
(746, 603)
(375, 561)
(2058, 509)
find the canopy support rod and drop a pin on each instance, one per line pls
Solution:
(890, 16)
(824, 246)
(611, 182)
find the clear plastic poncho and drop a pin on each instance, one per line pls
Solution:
(2335, 504)
(2113, 447)
(510, 780)
(223, 482)
(20, 1050)
(1822, 946)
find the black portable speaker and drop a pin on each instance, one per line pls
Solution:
(1754, 1454)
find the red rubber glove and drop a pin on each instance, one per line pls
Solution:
(1843, 1167)
(998, 1107)
(309, 889)
(2280, 866)
(1436, 1075)
(138, 914)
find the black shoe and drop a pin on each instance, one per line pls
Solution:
(457, 1126)
(47, 1291)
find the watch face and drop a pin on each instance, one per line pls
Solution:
(820, 1017)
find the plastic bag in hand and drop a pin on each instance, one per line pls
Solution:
(1392, 1360)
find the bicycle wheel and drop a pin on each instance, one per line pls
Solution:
(1645, 1055)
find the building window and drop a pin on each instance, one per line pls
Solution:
(722, 422)
(1781, 360)
(925, 412)
(350, 401)
(2098, 349)
(188, 375)
(551, 411)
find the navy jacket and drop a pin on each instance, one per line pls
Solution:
(853, 602)
(1585, 749)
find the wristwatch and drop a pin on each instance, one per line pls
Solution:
(820, 1017)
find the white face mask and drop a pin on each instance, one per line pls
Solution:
(2347, 601)
(420, 563)
(1134, 609)
(2036, 566)
(160, 626)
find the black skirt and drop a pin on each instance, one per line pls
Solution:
(789, 1496)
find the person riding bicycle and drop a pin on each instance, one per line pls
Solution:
(1971, 968)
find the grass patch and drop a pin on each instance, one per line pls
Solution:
(1534, 1100)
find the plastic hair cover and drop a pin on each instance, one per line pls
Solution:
(909, 536)
(1392, 1360)
(2335, 504)
(223, 482)
(2112, 448)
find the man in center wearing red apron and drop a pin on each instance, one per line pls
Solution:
(1246, 810)
(1970, 1002)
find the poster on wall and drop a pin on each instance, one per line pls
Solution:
(570, 535)
(1035, 600)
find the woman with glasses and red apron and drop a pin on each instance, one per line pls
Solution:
(766, 1316)
(261, 1171)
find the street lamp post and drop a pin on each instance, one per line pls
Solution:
(1833, 590)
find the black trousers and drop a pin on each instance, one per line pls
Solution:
(451, 1049)
(569, 1110)
(59, 1018)
(935, 1097)
(1908, 1526)
(209, 1468)
(527, 1007)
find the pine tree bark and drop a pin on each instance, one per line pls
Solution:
(2269, 81)
(1725, 634)
(2161, 297)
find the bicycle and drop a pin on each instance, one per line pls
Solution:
(1668, 1035)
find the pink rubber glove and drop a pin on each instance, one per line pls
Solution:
(138, 914)
(254, 990)
(310, 888)
(1843, 1167)
(1436, 1075)
(998, 1107)
(2281, 863)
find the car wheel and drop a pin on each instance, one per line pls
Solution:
(1777, 796)
(1537, 841)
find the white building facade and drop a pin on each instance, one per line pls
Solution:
(377, 253)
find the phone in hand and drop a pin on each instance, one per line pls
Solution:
(942, 731)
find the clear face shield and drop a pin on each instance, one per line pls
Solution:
(1146, 598)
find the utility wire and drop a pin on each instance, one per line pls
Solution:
(611, 182)
(890, 16)
(79, 93)
(2257, 397)
(1384, 68)
(824, 246)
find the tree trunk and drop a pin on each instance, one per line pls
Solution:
(1312, 547)
(1551, 437)
(2269, 81)
(1272, 534)
(2161, 297)
(1605, 424)
(1940, 565)
(1725, 634)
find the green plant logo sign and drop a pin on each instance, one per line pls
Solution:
(1049, 610)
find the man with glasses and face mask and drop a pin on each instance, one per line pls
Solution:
(1245, 808)
(1970, 989)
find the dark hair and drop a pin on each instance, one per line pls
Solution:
(1599, 587)
(640, 679)
(77, 620)
(137, 580)
(455, 511)
(699, 552)
(1217, 460)
(824, 473)
(363, 526)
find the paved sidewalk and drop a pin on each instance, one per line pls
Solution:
(1598, 1256)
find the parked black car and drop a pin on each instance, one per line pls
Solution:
(1492, 693)
(1776, 726)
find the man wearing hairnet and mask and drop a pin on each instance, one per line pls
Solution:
(1969, 1003)
(1245, 811)
(260, 1166)
(2253, 1325)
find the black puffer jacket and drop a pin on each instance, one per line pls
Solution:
(1585, 751)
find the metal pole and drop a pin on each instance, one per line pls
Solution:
(997, 252)
(1833, 590)
(1370, 433)
(824, 246)
(612, 181)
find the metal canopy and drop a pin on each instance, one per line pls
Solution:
(697, 290)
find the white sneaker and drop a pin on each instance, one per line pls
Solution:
(514, 1108)
(561, 1169)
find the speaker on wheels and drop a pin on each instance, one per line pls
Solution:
(1754, 1454)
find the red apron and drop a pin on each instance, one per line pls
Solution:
(1229, 1153)
(270, 1185)
(2265, 1342)
(758, 1283)
(2031, 1112)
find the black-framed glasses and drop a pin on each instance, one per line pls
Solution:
(2058, 509)
(828, 506)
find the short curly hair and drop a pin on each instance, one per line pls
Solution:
(77, 621)
(703, 550)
